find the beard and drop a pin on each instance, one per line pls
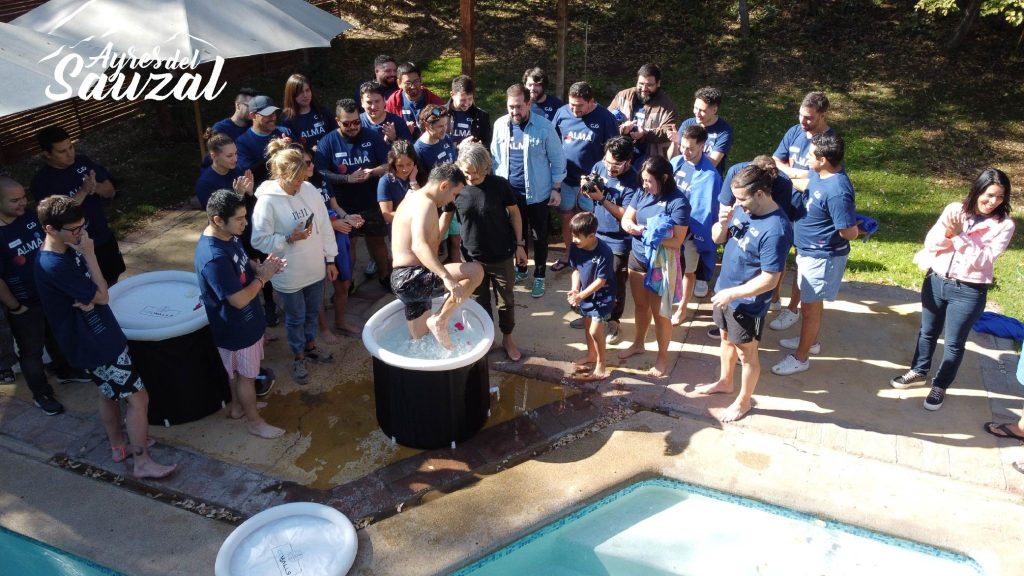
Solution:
(646, 98)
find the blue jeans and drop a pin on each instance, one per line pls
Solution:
(950, 307)
(300, 313)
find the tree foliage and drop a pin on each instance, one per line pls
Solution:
(1011, 10)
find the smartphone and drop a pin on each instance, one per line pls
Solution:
(309, 221)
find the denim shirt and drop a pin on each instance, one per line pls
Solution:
(543, 157)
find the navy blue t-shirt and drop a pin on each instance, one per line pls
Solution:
(719, 139)
(20, 242)
(222, 269)
(795, 147)
(756, 244)
(583, 139)
(228, 126)
(210, 181)
(594, 264)
(66, 181)
(619, 191)
(310, 127)
(252, 147)
(339, 155)
(548, 108)
(401, 129)
(88, 339)
(462, 125)
(392, 189)
(647, 205)
(516, 169)
(828, 207)
(431, 155)
(782, 190)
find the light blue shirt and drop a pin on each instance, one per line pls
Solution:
(543, 157)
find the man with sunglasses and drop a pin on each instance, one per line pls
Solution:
(757, 238)
(352, 160)
(67, 173)
(412, 97)
(252, 145)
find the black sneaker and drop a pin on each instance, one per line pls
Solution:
(907, 380)
(271, 315)
(578, 324)
(7, 376)
(714, 333)
(934, 400)
(265, 382)
(74, 376)
(48, 405)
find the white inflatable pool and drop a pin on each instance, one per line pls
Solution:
(158, 305)
(298, 538)
(392, 317)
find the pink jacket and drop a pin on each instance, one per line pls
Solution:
(968, 256)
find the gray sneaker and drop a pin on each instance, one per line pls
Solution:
(612, 335)
(299, 372)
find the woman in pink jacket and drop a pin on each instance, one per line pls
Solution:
(959, 252)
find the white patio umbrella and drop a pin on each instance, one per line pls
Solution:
(27, 62)
(178, 28)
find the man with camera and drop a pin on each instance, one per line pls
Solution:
(584, 126)
(610, 186)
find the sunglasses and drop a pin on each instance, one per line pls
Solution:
(349, 123)
(77, 229)
(438, 112)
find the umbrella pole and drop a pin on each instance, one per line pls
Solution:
(199, 129)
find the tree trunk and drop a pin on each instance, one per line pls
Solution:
(966, 23)
(744, 19)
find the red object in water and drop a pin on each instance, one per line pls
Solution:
(459, 326)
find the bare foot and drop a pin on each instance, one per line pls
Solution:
(511, 350)
(328, 337)
(148, 468)
(440, 331)
(735, 411)
(584, 360)
(631, 351)
(678, 318)
(590, 376)
(659, 370)
(264, 430)
(713, 388)
(236, 414)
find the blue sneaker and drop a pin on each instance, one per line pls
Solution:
(538, 288)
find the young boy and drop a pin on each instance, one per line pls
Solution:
(74, 296)
(593, 291)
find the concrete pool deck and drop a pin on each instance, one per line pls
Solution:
(835, 441)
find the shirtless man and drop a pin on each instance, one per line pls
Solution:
(418, 275)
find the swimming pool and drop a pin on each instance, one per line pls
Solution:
(663, 527)
(26, 556)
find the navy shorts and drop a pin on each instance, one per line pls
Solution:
(416, 287)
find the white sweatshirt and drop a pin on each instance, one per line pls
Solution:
(275, 217)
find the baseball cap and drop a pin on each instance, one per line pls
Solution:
(262, 105)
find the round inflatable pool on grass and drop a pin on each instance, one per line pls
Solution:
(428, 403)
(298, 538)
(169, 338)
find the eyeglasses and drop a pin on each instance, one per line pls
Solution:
(77, 229)
(411, 83)
(438, 112)
(610, 165)
(349, 123)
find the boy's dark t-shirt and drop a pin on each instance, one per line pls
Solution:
(594, 264)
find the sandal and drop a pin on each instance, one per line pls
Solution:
(991, 428)
(559, 265)
(319, 357)
(120, 453)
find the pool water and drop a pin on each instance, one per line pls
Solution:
(465, 335)
(662, 527)
(25, 556)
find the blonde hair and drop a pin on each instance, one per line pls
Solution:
(476, 157)
(285, 162)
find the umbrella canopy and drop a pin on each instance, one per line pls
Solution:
(27, 61)
(225, 28)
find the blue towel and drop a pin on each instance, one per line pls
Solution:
(656, 229)
(1002, 326)
(867, 224)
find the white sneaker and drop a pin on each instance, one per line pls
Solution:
(775, 306)
(612, 335)
(701, 289)
(794, 343)
(790, 365)
(784, 320)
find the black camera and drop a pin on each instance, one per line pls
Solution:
(591, 183)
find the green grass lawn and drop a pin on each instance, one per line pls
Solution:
(918, 125)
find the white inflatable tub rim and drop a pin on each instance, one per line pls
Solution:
(385, 316)
(222, 566)
(136, 327)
